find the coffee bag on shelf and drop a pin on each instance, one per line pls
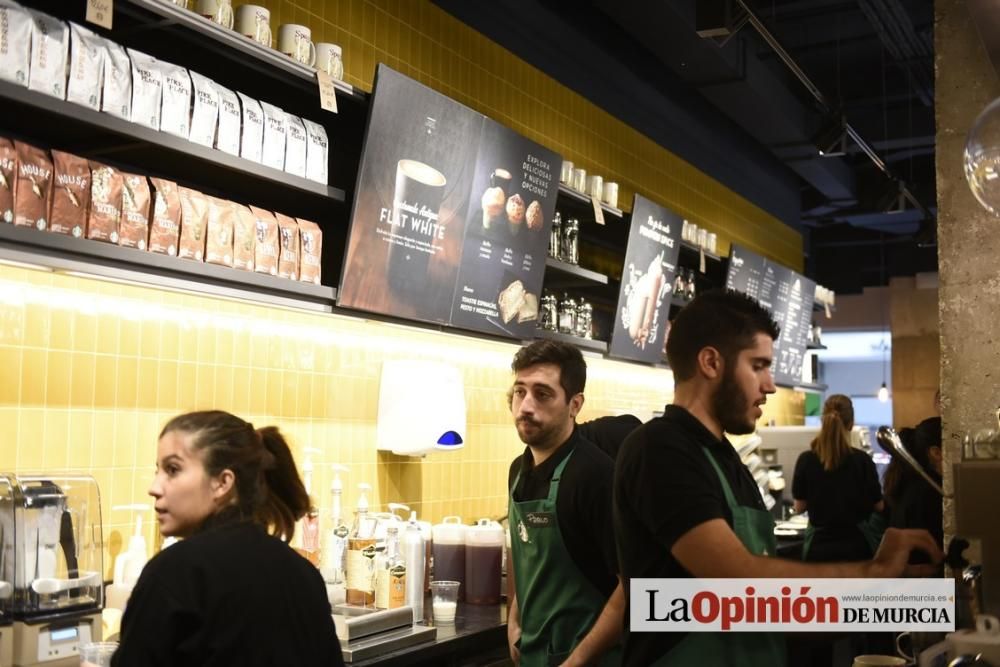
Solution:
(244, 230)
(288, 253)
(147, 89)
(252, 137)
(86, 67)
(175, 106)
(8, 179)
(227, 136)
(266, 244)
(105, 203)
(70, 195)
(165, 221)
(219, 234)
(295, 146)
(116, 96)
(33, 191)
(134, 228)
(273, 151)
(311, 255)
(194, 220)
(205, 113)
(317, 152)
(49, 53)
(15, 42)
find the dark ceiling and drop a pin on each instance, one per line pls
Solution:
(703, 81)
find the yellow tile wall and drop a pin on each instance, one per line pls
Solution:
(429, 45)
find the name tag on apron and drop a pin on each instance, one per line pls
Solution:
(540, 519)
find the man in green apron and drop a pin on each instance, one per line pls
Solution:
(686, 506)
(568, 604)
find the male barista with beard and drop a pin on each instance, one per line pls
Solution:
(568, 603)
(686, 506)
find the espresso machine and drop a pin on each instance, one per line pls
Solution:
(50, 532)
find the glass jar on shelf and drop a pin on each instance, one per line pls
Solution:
(567, 315)
(689, 291)
(584, 320)
(570, 241)
(555, 237)
(550, 313)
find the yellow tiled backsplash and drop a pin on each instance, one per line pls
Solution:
(424, 42)
(92, 370)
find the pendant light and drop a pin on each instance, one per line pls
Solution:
(883, 391)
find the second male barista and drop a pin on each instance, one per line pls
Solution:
(568, 604)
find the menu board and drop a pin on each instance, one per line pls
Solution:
(451, 216)
(788, 295)
(654, 243)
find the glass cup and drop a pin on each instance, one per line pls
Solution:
(444, 601)
(97, 654)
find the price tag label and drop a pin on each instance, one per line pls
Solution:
(598, 211)
(701, 260)
(327, 91)
(100, 12)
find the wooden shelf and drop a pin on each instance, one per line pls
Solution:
(586, 343)
(59, 252)
(581, 198)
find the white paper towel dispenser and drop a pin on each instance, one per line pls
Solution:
(421, 406)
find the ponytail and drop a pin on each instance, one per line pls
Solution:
(284, 499)
(833, 444)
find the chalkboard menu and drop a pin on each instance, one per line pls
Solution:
(788, 295)
(451, 217)
(640, 323)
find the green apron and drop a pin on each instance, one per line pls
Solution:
(755, 528)
(871, 528)
(557, 604)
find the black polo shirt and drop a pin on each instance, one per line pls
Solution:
(665, 486)
(840, 498)
(583, 506)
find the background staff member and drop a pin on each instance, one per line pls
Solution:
(686, 506)
(229, 593)
(568, 602)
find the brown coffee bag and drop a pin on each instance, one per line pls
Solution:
(288, 255)
(8, 178)
(194, 220)
(34, 186)
(105, 203)
(219, 235)
(266, 247)
(243, 237)
(71, 195)
(165, 221)
(134, 231)
(311, 240)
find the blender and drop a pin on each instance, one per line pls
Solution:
(52, 545)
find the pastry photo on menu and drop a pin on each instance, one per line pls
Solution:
(515, 303)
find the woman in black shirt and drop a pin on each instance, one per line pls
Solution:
(232, 592)
(913, 502)
(838, 485)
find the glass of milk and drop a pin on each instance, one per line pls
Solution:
(444, 599)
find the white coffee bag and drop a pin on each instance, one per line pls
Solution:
(317, 152)
(147, 89)
(49, 53)
(252, 137)
(86, 67)
(175, 108)
(205, 114)
(15, 42)
(273, 152)
(117, 94)
(227, 136)
(295, 146)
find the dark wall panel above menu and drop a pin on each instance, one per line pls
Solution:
(654, 242)
(788, 295)
(451, 214)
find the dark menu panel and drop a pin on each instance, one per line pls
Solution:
(788, 295)
(451, 214)
(654, 242)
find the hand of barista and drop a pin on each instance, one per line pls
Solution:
(712, 550)
(514, 631)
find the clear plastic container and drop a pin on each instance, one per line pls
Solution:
(449, 551)
(483, 560)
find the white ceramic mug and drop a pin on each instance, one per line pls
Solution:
(254, 21)
(330, 59)
(295, 41)
(610, 194)
(219, 11)
(566, 174)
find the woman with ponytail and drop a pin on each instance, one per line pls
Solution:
(838, 485)
(232, 592)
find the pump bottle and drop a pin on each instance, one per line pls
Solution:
(333, 561)
(361, 555)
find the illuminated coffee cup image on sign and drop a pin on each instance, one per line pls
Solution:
(417, 231)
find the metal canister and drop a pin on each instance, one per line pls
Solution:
(555, 236)
(584, 319)
(570, 237)
(550, 313)
(567, 315)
